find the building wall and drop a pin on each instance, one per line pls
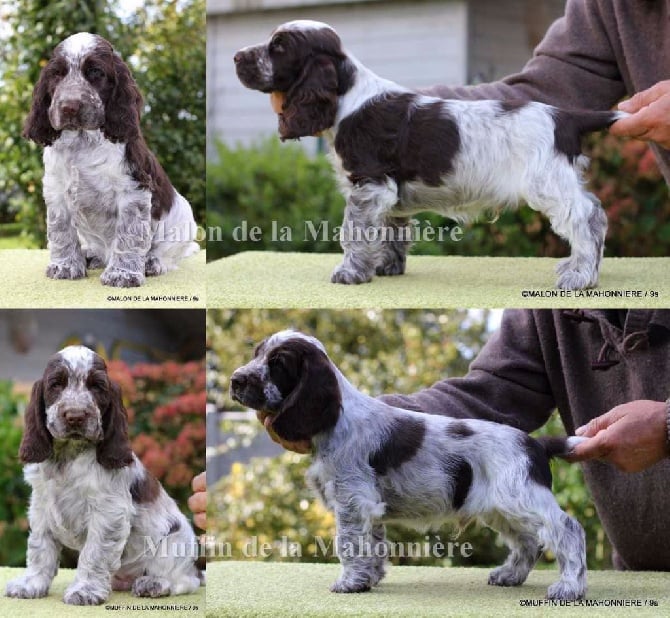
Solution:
(504, 34)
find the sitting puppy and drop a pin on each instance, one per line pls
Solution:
(374, 463)
(92, 494)
(397, 152)
(109, 202)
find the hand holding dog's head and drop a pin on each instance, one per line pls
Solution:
(292, 382)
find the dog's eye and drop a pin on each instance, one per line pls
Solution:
(94, 73)
(277, 44)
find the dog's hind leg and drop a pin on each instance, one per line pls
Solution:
(524, 552)
(564, 536)
(577, 216)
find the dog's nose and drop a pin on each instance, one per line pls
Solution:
(237, 58)
(75, 417)
(70, 107)
(238, 382)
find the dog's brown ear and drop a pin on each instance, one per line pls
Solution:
(37, 443)
(311, 102)
(314, 403)
(37, 126)
(114, 450)
(124, 107)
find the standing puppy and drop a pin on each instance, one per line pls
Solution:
(92, 494)
(373, 464)
(109, 202)
(397, 152)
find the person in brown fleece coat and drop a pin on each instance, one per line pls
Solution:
(607, 372)
(599, 52)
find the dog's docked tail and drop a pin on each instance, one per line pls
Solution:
(571, 125)
(559, 446)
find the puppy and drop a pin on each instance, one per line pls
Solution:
(92, 494)
(109, 202)
(397, 152)
(373, 463)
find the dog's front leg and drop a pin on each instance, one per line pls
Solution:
(132, 241)
(363, 234)
(356, 548)
(99, 559)
(42, 563)
(66, 257)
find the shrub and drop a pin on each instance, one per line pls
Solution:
(13, 490)
(272, 181)
(166, 410)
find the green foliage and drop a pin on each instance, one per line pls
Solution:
(14, 492)
(269, 181)
(171, 81)
(383, 351)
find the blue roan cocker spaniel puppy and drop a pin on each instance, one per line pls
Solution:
(373, 463)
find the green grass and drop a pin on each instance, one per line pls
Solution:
(120, 603)
(272, 590)
(302, 280)
(25, 284)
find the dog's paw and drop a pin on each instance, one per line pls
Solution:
(504, 576)
(154, 267)
(28, 587)
(342, 586)
(148, 586)
(118, 278)
(66, 270)
(390, 269)
(562, 591)
(575, 277)
(347, 276)
(84, 593)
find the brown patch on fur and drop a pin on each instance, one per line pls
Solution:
(146, 489)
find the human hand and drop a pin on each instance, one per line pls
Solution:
(650, 115)
(632, 436)
(302, 447)
(198, 501)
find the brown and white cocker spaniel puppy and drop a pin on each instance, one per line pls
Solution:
(397, 152)
(375, 464)
(92, 494)
(109, 202)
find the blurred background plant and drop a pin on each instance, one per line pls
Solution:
(265, 497)
(165, 404)
(163, 42)
(245, 184)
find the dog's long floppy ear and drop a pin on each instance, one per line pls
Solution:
(37, 443)
(124, 106)
(314, 404)
(114, 450)
(311, 102)
(37, 126)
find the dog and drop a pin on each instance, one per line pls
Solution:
(397, 152)
(109, 202)
(92, 494)
(373, 464)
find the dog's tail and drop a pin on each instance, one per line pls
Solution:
(559, 446)
(586, 121)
